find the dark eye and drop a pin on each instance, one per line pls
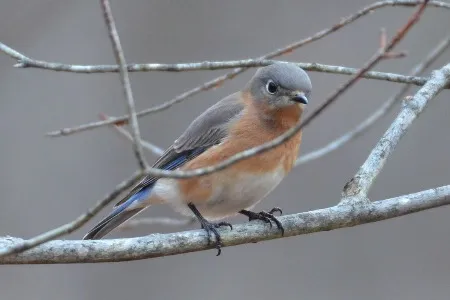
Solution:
(271, 87)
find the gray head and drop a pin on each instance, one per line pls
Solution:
(280, 84)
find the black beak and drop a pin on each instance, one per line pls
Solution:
(299, 97)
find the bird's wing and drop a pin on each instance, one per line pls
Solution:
(205, 131)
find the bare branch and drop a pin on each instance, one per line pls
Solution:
(27, 62)
(157, 245)
(383, 42)
(123, 132)
(133, 223)
(382, 111)
(120, 58)
(359, 185)
(71, 226)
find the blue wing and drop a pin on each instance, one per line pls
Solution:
(171, 160)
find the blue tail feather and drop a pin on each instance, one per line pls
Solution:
(126, 210)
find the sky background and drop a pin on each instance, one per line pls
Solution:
(47, 182)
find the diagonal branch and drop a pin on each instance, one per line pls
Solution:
(379, 113)
(157, 245)
(359, 185)
(120, 58)
(71, 226)
(123, 132)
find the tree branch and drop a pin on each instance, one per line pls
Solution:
(123, 132)
(27, 62)
(120, 58)
(359, 185)
(157, 245)
(73, 225)
(133, 223)
(382, 111)
(392, 77)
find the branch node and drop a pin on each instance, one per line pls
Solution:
(20, 64)
(355, 201)
(352, 188)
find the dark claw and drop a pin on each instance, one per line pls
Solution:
(275, 220)
(220, 224)
(266, 217)
(259, 216)
(211, 228)
(276, 209)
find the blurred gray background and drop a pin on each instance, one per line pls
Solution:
(47, 182)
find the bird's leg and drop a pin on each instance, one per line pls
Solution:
(264, 216)
(210, 227)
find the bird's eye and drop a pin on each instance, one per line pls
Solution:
(271, 87)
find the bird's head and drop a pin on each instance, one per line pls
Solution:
(280, 85)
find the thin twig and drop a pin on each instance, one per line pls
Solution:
(157, 245)
(391, 54)
(73, 225)
(382, 111)
(27, 62)
(219, 80)
(359, 185)
(120, 58)
(152, 148)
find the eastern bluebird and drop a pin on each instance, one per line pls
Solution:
(270, 103)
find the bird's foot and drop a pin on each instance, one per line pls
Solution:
(211, 228)
(266, 217)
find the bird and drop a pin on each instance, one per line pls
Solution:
(268, 105)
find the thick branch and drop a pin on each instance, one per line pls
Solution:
(157, 245)
(133, 223)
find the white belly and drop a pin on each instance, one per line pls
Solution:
(233, 194)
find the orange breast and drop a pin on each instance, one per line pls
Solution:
(251, 130)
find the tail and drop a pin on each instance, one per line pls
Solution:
(119, 215)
